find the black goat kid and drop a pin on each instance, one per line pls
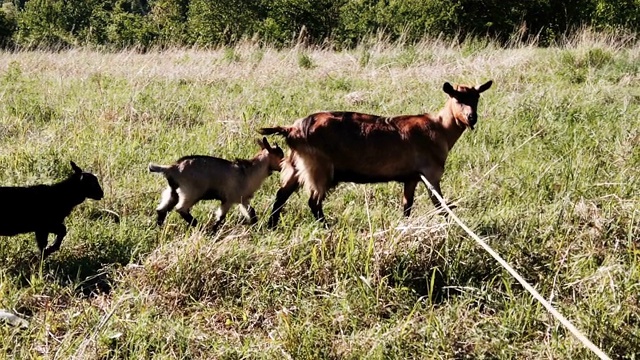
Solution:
(42, 208)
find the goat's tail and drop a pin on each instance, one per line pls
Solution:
(159, 168)
(279, 130)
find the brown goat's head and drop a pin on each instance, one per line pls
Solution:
(463, 102)
(274, 154)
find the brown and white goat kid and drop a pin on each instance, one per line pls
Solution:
(332, 147)
(198, 177)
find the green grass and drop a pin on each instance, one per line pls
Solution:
(549, 177)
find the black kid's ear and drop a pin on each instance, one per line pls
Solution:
(447, 88)
(76, 168)
(485, 86)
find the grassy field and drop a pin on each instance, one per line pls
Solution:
(549, 178)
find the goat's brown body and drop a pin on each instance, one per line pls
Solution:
(332, 147)
(364, 148)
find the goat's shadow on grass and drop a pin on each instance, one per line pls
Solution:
(532, 258)
(424, 282)
(88, 274)
(429, 275)
(435, 281)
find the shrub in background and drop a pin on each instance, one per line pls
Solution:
(8, 24)
(340, 23)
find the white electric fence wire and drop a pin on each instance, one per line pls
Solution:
(585, 341)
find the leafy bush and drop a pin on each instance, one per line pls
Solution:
(8, 24)
(220, 22)
(127, 30)
(305, 61)
(44, 23)
(615, 14)
(170, 17)
(342, 23)
(285, 20)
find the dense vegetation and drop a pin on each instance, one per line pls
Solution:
(549, 177)
(144, 23)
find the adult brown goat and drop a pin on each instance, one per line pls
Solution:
(332, 147)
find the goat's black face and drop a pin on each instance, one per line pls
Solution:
(88, 183)
(91, 186)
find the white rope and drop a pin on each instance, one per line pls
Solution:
(585, 341)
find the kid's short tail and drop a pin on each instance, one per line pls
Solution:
(279, 130)
(158, 168)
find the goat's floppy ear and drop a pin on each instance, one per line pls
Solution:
(484, 86)
(449, 89)
(75, 168)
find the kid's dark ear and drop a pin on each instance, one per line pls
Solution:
(485, 86)
(449, 89)
(75, 168)
(265, 143)
(276, 150)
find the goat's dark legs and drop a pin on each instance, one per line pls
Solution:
(60, 230)
(186, 215)
(162, 215)
(253, 218)
(315, 204)
(248, 211)
(321, 181)
(434, 175)
(282, 196)
(184, 207)
(434, 200)
(221, 214)
(408, 195)
(169, 201)
(42, 239)
(218, 223)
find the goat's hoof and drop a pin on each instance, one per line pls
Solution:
(444, 212)
(211, 231)
(323, 223)
(47, 252)
(36, 258)
(272, 224)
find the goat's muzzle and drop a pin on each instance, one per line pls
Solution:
(98, 195)
(472, 120)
